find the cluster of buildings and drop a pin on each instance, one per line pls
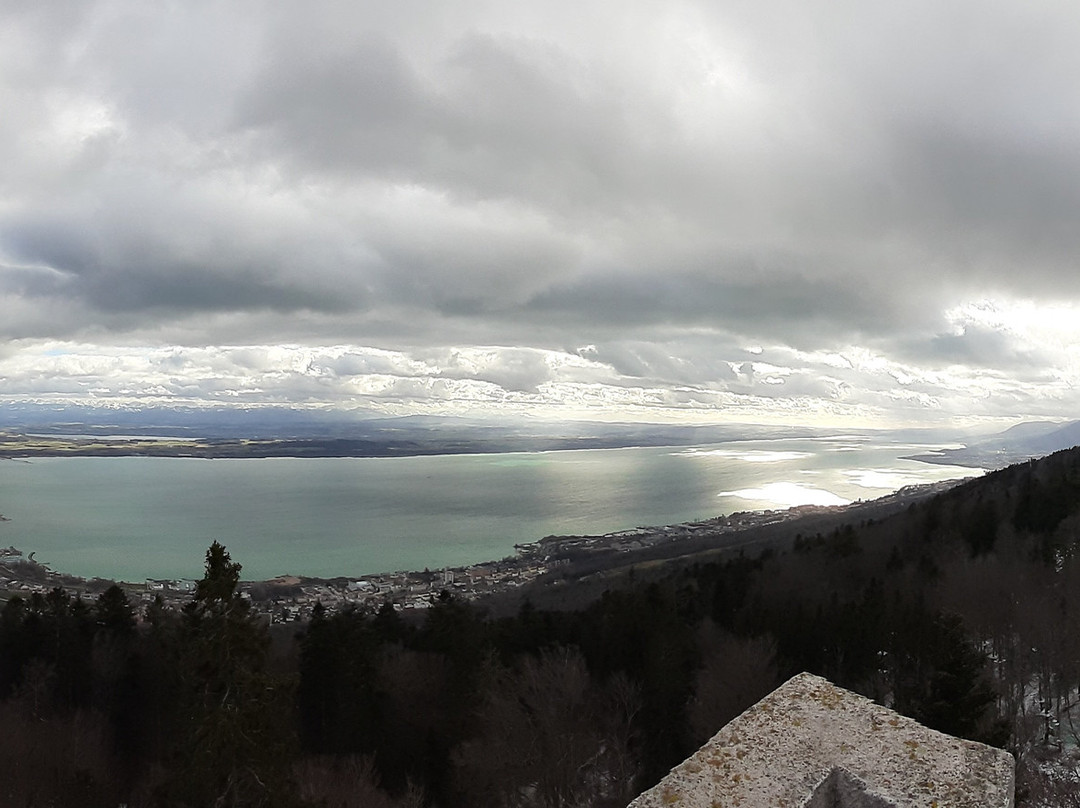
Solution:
(289, 598)
(23, 576)
(556, 549)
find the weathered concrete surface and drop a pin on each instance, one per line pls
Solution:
(810, 744)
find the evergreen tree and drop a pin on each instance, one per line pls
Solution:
(940, 677)
(338, 697)
(116, 664)
(236, 749)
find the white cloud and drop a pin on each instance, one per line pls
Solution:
(742, 211)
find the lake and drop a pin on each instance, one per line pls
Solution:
(131, 518)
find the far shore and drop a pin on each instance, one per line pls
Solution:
(28, 447)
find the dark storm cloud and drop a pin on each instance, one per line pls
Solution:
(982, 347)
(197, 288)
(67, 259)
(787, 306)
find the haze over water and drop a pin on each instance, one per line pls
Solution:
(131, 518)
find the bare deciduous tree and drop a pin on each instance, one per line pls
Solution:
(551, 738)
(735, 673)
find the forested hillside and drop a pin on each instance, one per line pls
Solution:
(963, 612)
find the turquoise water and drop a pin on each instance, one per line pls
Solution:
(130, 517)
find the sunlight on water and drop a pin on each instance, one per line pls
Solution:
(882, 479)
(748, 456)
(787, 495)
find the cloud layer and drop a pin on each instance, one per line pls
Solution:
(736, 210)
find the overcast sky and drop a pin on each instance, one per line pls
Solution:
(805, 211)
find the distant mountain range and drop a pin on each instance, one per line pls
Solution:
(49, 430)
(1014, 445)
(286, 431)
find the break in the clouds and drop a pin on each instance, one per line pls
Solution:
(698, 210)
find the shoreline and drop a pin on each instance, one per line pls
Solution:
(289, 598)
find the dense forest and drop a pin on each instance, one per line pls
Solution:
(963, 612)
